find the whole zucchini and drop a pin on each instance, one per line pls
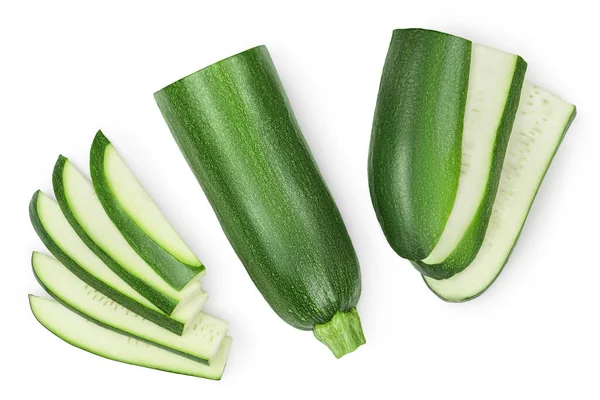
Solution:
(236, 129)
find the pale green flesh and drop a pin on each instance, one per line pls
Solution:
(200, 339)
(490, 81)
(88, 336)
(136, 202)
(70, 243)
(65, 237)
(90, 214)
(540, 124)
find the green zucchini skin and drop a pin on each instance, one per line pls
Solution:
(236, 129)
(174, 272)
(145, 312)
(413, 178)
(467, 249)
(160, 300)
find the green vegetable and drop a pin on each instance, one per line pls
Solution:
(137, 217)
(236, 129)
(541, 123)
(444, 114)
(86, 335)
(62, 241)
(83, 210)
(199, 342)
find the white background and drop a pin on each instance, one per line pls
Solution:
(70, 68)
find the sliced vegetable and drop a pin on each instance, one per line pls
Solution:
(86, 335)
(62, 241)
(444, 114)
(236, 129)
(541, 123)
(80, 205)
(199, 342)
(137, 217)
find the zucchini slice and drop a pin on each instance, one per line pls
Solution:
(86, 335)
(199, 341)
(235, 127)
(444, 114)
(542, 121)
(62, 241)
(80, 205)
(138, 218)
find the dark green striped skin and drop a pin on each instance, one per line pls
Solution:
(415, 151)
(469, 298)
(174, 272)
(236, 129)
(115, 295)
(160, 300)
(469, 246)
(112, 328)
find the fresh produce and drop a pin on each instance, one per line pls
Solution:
(81, 207)
(200, 341)
(86, 335)
(138, 218)
(541, 123)
(62, 241)
(236, 129)
(444, 114)
(134, 312)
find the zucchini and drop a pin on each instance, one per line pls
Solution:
(86, 335)
(199, 342)
(137, 217)
(444, 114)
(235, 127)
(542, 121)
(81, 207)
(62, 241)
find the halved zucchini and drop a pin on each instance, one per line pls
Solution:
(541, 123)
(62, 241)
(444, 114)
(86, 335)
(80, 205)
(199, 341)
(138, 218)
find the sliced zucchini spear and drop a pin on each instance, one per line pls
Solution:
(199, 341)
(62, 241)
(86, 335)
(81, 207)
(444, 114)
(137, 217)
(542, 121)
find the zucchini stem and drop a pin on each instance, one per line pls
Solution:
(343, 334)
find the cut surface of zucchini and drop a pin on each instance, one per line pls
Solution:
(541, 123)
(86, 335)
(80, 205)
(63, 242)
(138, 218)
(490, 80)
(200, 341)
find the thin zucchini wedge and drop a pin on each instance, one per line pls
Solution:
(80, 205)
(235, 127)
(62, 241)
(444, 114)
(199, 341)
(137, 217)
(541, 124)
(86, 335)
